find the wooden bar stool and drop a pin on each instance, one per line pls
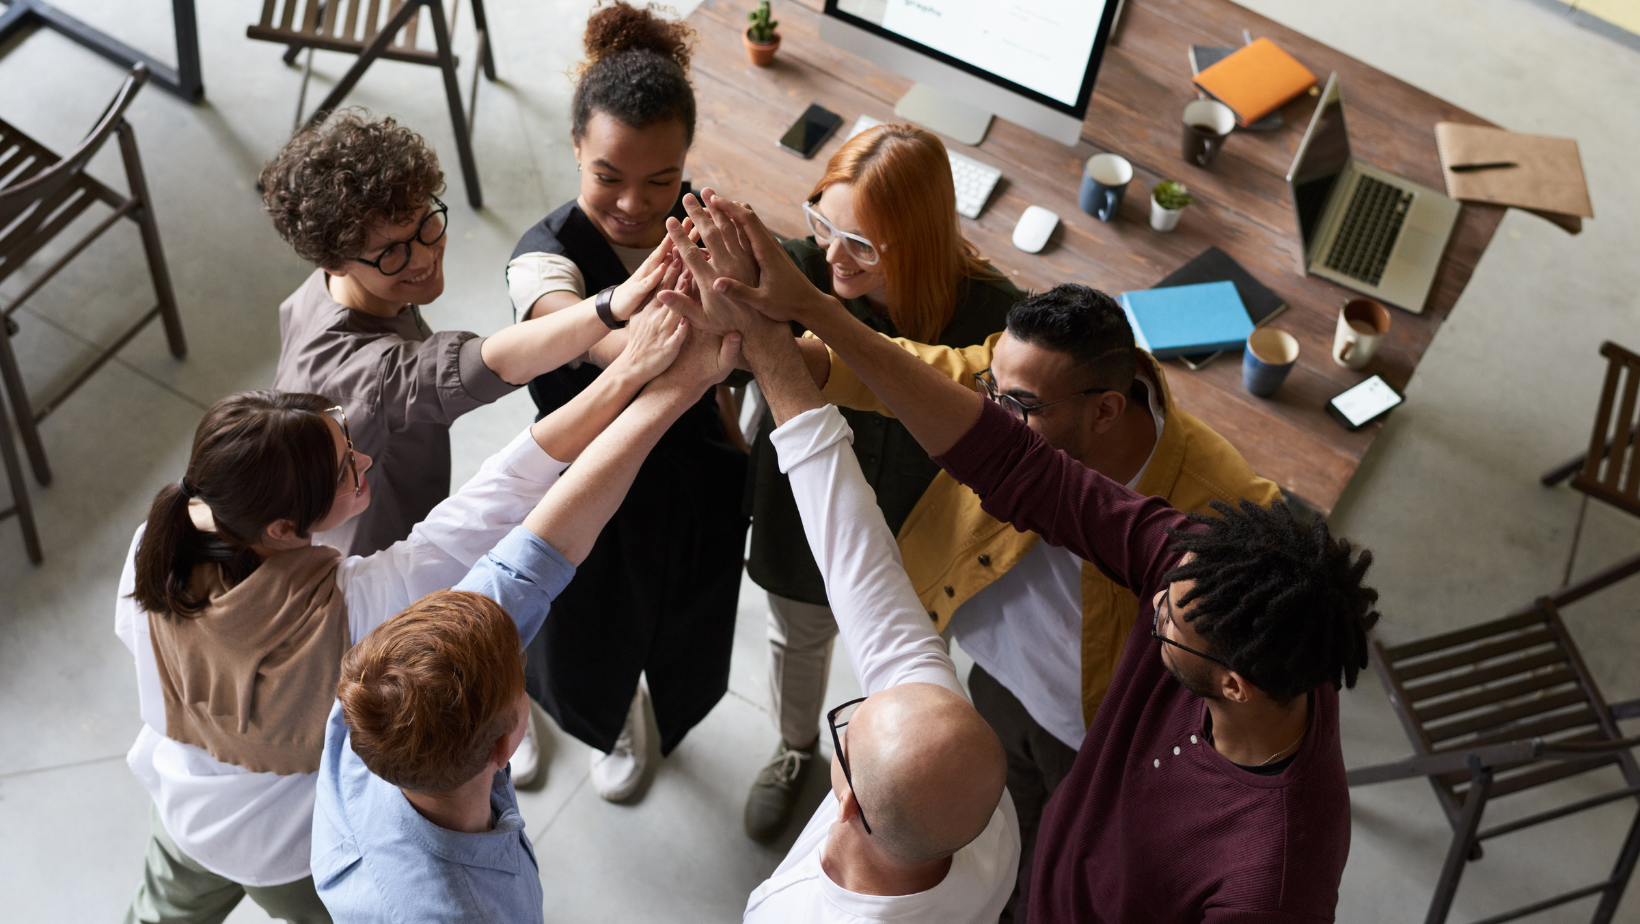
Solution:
(375, 29)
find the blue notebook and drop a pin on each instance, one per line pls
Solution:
(1188, 319)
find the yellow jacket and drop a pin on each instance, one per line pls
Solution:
(953, 549)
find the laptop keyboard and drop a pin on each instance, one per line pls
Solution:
(1371, 224)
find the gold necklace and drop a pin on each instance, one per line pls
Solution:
(1285, 749)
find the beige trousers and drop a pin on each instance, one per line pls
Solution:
(800, 643)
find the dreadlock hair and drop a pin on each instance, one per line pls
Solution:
(1276, 597)
(1087, 324)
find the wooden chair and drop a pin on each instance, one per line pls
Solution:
(1499, 709)
(375, 29)
(1610, 470)
(42, 196)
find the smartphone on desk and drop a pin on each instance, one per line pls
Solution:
(1364, 403)
(810, 131)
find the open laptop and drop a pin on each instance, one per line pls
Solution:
(1362, 227)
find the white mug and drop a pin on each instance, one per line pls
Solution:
(1362, 324)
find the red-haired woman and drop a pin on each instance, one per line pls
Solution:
(886, 241)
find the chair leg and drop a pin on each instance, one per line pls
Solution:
(26, 424)
(301, 95)
(1463, 840)
(19, 489)
(157, 268)
(1620, 875)
(371, 52)
(1577, 534)
(482, 24)
(452, 90)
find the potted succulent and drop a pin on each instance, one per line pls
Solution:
(761, 38)
(1167, 202)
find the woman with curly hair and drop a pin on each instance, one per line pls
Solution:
(664, 577)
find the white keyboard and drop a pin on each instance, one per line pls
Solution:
(974, 181)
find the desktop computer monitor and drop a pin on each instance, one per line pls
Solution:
(1030, 61)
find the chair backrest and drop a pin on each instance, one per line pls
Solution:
(1511, 679)
(43, 174)
(339, 25)
(1611, 471)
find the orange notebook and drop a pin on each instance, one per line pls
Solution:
(1255, 80)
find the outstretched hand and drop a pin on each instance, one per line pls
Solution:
(781, 291)
(651, 277)
(655, 338)
(725, 258)
(705, 360)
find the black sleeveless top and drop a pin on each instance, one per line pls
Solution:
(657, 594)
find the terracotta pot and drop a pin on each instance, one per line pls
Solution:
(761, 55)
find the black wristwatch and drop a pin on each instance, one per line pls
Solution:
(601, 303)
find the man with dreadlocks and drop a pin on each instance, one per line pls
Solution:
(1210, 786)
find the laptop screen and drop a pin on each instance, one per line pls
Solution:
(1321, 158)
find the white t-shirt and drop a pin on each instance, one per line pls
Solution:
(1025, 628)
(890, 641)
(981, 878)
(256, 828)
(532, 275)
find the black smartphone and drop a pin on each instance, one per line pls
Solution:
(810, 130)
(1364, 403)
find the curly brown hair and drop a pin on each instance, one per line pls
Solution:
(636, 69)
(333, 183)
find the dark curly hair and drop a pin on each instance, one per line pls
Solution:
(636, 69)
(1277, 598)
(1084, 322)
(333, 183)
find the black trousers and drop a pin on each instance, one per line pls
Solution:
(1037, 763)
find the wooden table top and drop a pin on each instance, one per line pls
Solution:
(1242, 203)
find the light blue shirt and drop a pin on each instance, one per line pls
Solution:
(375, 858)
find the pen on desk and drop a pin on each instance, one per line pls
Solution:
(1493, 165)
(1246, 37)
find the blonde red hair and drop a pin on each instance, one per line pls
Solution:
(907, 205)
(427, 695)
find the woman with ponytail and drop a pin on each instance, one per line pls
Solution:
(663, 579)
(886, 241)
(238, 621)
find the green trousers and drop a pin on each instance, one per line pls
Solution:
(176, 890)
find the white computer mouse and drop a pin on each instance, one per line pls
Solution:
(1031, 234)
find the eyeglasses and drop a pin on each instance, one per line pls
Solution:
(396, 256)
(1019, 409)
(861, 249)
(846, 712)
(340, 416)
(1156, 632)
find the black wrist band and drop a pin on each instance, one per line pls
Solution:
(601, 303)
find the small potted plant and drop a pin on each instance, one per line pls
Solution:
(761, 38)
(1167, 202)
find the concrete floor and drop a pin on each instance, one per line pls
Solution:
(1447, 500)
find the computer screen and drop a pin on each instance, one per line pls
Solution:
(1322, 156)
(1046, 50)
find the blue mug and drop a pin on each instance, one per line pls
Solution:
(1104, 179)
(1270, 355)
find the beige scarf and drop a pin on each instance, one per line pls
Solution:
(251, 679)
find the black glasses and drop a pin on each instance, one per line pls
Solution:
(1019, 409)
(846, 712)
(396, 256)
(340, 416)
(1156, 632)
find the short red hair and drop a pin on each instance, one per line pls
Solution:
(429, 692)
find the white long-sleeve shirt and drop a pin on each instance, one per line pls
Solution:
(890, 641)
(255, 828)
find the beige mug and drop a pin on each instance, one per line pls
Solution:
(1362, 324)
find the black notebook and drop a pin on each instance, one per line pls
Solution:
(1214, 265)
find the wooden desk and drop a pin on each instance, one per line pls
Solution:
(1242, 204)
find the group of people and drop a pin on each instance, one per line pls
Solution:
(338, 660)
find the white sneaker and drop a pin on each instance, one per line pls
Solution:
(526, 761)
(616, 775)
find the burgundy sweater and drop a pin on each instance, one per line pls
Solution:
(1153, 824)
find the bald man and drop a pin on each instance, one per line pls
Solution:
(918, 825)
